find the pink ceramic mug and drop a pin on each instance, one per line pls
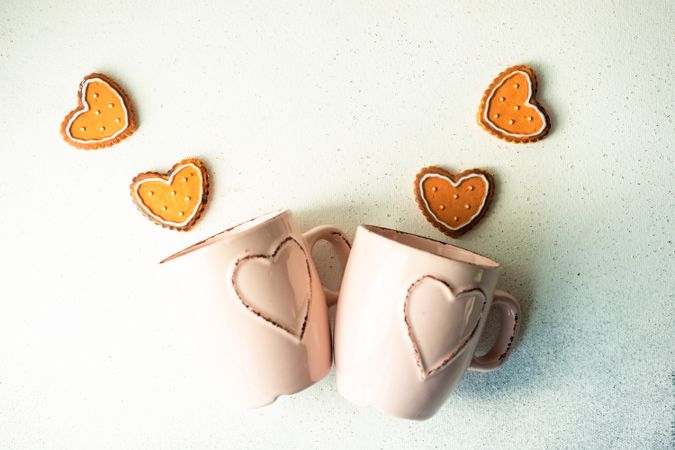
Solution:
(409, 317)
(273, 307)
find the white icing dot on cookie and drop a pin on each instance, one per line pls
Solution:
(97, 112)
(511, 122)
(117, 119)
(442, 207)
(102, 128)
(95, 95)
(164, 208)
(83, 129)
(455, 218)
(181, 213)
(187, 198)
(434, 188)
(516, 85)
(529, 118)
(455, 196)
(173, 192)
(496, 116)
(501, 99)
(471, 188)
(467, 206)
(151, 193)
(516, 108)
(110, 105)
(185, 180)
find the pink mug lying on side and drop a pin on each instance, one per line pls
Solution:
(410, 314)
(273, 308)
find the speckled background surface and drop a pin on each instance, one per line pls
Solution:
(330, 108)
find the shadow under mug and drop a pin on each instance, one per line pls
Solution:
(410, 314)
(260, 278)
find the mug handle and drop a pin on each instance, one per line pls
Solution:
(338, 240)
(508, 332)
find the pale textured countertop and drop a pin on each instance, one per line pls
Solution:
(330, 108)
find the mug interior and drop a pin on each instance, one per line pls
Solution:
(432, 246)
(227, 234)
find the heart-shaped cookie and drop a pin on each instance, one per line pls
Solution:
(453, 203)
(176, 199)
(509, 109)
(440, 322)
(103, 116)
(276, 287)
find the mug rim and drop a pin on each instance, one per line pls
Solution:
(232, 232)
(471, 258)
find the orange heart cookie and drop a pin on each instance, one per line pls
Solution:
(176, 199)
(509, 109)
(103, 116)
(453, 203)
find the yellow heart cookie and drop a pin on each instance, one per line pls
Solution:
(509, 109)
(176, 199)
(453, 203)
(103, 115)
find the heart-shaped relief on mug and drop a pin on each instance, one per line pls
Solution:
(277, 287)
(440, 321)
